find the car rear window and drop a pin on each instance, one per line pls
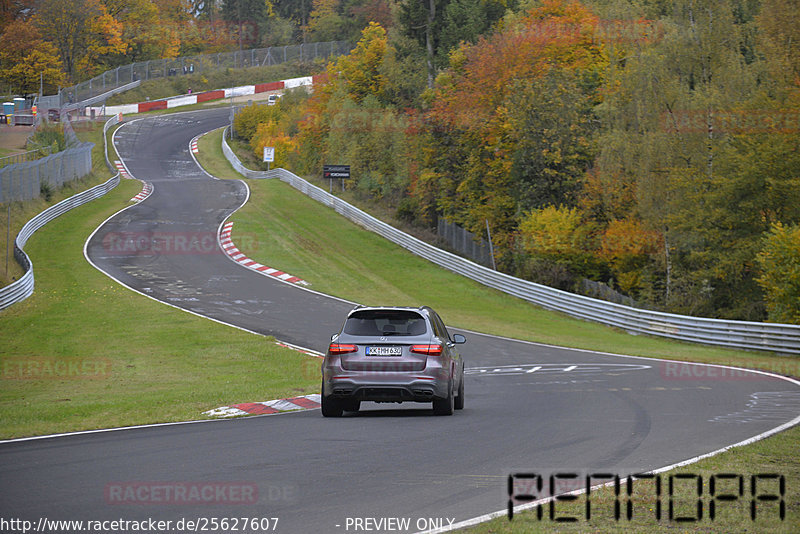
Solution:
(385, 323)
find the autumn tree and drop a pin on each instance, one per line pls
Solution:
(27, 62)
(360, 71)
(779, 22)
(325, 23)
(560, 243)
(511, 120)
(246, 12)
(11, 10)
(779, 262)
(82, 31)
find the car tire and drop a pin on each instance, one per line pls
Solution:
(331, 407)
(351, 405)
(459, 400)
(445, 406)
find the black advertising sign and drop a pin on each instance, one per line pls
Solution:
(336, 171)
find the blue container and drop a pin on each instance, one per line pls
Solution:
(19, 103)
(8, 108)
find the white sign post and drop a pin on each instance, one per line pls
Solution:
(269, 155)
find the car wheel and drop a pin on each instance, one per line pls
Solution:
(331, 407)
(351, 405)
(446, 405)
(459, 401)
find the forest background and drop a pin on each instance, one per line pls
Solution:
(650, 145)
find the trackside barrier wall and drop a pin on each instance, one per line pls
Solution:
(87, 92)
(781, 338)
(23, 288)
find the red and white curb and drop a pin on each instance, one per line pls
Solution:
(305, 402)
(146, 190)
(195, 150)
(239, 257)
(122, 170)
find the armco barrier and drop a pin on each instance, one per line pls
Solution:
(23, 288)
(240, 168)
(781, 338)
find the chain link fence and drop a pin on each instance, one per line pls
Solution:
(25, 181)
(464, 242)
(162, 68)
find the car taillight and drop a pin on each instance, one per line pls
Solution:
(341, 348)
(430, 350)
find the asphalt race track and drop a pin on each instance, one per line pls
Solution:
(528, 407)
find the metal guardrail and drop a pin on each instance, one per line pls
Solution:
(28, 155)
(101, 97)
(234, 160)
(23, 288)
(781, 338)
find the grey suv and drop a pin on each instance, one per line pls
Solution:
(393, 354)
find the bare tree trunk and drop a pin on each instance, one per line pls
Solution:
(429, 41)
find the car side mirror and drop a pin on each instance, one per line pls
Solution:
(458, 339)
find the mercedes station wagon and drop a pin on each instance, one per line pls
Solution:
(393, 354)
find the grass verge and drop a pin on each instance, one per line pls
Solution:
(19, 213)
(83, 352)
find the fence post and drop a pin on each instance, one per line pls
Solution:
(491, 248)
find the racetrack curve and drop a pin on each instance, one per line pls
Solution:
(529, 407)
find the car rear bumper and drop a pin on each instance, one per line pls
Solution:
(385, 388)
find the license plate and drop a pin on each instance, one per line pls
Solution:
(384, 351)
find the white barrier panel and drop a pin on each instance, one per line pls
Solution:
(298, 82)
(182, 101)
(240, 91)
(125, 109)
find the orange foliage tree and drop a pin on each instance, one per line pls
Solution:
(511, 120)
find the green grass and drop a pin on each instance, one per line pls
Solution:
(166, 365)
(22, 212)
(214, 162)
